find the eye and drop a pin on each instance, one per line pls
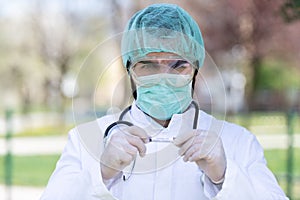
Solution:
(150, 66)
(146, 64)
(180, 65)
(146, 68)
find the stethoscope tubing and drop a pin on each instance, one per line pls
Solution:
(121, 121)
(123, 113)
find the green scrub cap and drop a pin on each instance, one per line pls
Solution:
(162, 28)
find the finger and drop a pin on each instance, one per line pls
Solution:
(124, 138)
(205, 150)
(185, 146)
(128, 148)
(118, 161)
(137, 143)
(125, 159)
(139, 132)
(182, 138)
(196, 147)
(196, 156)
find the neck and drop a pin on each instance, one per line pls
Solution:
(163, 123)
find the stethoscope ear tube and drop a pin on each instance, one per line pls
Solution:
(124, 113)
(114, 124)
(196, 106)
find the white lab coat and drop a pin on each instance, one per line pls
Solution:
(77, 174)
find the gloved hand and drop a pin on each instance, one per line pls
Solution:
(121, 149)
(205, 148)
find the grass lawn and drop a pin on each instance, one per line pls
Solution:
(30, 170)
(276, 159)
(35, 170)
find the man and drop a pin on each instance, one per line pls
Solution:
(162, 147)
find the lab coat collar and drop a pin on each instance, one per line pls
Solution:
(139, 118)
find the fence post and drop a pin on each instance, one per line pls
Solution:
(290, 152)
(8, 155)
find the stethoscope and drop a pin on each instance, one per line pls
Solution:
(123, 122)
(126, 110)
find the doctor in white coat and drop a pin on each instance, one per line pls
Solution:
(162, 147)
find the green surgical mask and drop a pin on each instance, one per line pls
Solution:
(163, 99)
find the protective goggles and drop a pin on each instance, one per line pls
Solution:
(174, 72)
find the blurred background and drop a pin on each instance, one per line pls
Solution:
(59, 67)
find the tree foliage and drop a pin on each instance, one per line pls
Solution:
(254, 26)
(290, 10)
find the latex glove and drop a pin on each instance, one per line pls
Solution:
(122, 148)
(205, 148)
